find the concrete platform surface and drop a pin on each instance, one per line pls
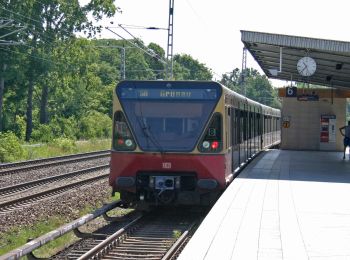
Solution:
(284, 205)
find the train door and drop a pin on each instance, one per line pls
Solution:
(246, 132)
(243, 130)
(264, 130)
(259, 130)
(234, 134)
(238, 135)
(253, 130)
(228, 136)
(273, 129)
(272, 120)
(255, 125)
(249, 132)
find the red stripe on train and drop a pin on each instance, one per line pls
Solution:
(206, 166)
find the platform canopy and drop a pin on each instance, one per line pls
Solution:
(278, 56)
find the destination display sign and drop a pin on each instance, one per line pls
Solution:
(168, 94)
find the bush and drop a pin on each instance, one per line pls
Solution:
(42, 133)
(95, 125)
(10, 147)
(67, 145)
(20, 127)
(58, 127)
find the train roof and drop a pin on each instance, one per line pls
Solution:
(226, 91)
(266, 109)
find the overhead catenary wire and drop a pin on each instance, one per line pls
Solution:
(29, 21)
(140, 27)
(49, 40)
(12, 32)
(9, 26)
(31, 55)
(152, 54)
(33, 20)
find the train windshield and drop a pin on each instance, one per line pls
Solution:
(168, 118)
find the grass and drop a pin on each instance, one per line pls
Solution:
(57, 149)
(177, 233)
(19, 236)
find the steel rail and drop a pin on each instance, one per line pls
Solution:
(42, 163)
(42, 240)
(21, 187)
(9, 205)
(110, 240)
(150, 239)
(179, 242)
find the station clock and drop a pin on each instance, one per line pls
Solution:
(306, 66)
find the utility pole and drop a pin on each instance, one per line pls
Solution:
(122, 57)
(122, 64)
(244, 70)
(170, 41)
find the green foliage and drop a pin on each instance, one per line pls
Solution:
(177, 233)
(72, 79)
(191, 69)
(44, 150)
(95, 125)
(58, 127)
(19, 236)
(20, 127)
(10, 147)
(252, 85)
(43, 133)
(65, 144)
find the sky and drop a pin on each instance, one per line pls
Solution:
(209, 31)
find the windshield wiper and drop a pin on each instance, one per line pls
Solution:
(146, 130)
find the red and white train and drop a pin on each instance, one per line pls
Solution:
(182, 142)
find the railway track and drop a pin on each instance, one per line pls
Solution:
(28, 248)
(10, 168)
(160, 234)
(20, 202)
(14, 189)
(156, 235)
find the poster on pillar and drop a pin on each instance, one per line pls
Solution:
(327, 132)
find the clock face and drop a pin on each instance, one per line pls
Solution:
(306, 66)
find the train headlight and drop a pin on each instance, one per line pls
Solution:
(128, 142)
(206, 144)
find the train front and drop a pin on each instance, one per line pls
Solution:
(167, 143)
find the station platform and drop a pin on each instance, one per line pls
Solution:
(283, 205)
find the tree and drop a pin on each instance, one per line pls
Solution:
(154, 63)
(49, 22)
(253, 85)
(190, 68)
(2, 87)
